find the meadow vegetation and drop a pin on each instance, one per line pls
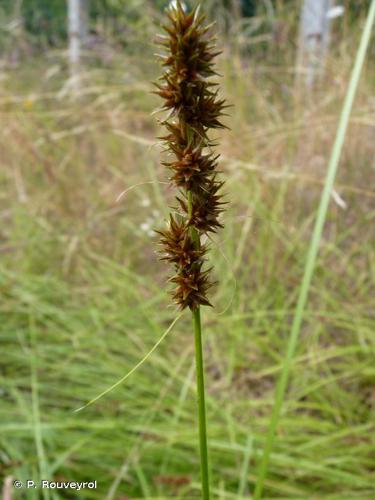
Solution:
(84, 296)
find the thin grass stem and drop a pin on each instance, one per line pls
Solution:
(197, 325)
(313, 250)
(201, 404)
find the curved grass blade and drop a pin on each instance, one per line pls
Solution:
(127, 375)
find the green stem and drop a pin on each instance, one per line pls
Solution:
(201, 404)
(313, 250)
(200, 379)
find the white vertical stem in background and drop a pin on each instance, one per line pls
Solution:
(74, 33)
(77, 29)
(314, 39)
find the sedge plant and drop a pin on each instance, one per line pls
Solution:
(192, 107)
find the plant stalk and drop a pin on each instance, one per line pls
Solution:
(200, 380)
(201, 404)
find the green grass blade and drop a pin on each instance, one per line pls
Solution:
(313, 249)
(245, 467)
(38, 435)
(127, 375)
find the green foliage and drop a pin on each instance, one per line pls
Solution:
(45, 19)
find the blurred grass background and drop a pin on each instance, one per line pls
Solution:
(84, 296)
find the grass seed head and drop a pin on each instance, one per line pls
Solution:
(193, 107)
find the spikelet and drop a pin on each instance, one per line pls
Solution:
(193, 108)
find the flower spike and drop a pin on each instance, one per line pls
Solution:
(194, 107)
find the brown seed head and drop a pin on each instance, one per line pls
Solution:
(194, 107)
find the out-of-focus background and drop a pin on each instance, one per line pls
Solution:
(84, 298)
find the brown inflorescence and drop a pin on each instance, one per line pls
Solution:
(193, 107)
